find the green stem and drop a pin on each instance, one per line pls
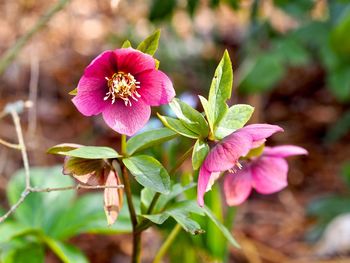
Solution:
(164, 248)
(136, 252)
(13, 51)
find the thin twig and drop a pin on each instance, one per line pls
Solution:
(15, 206)
(13, 51)
(19, 132)
(73, 187)
(10, 145)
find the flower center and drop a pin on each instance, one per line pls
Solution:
(233, 169)
(123, 86)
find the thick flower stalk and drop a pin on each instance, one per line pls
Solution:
(267, 174)
(122, 84)
(225, 155)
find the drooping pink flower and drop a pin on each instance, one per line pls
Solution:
(122, 84)
(225, 154)
(267, 174)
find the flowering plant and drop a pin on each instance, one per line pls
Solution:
(122, 85)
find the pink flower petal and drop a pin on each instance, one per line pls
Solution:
(102, 66)
(284, 151)
(238, 186)
(89, 100)
(156, 87)
(269, 174)
(127, 119)
(226, 153)
(132, 61)
(203, 180)
(260, 132)
(112, 198)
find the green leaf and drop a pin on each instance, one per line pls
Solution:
(73, 92)
(41, 210)
(126, 44)
(296, 8)
(147, 139)
(86, 215)
(265, 72)
(177, 126)
(93, 152)
(27, 252)
(190, 118)
(220, 90)
(9, 230)
(340, 37)
(67, 253)
(149, 172)
(180, 212)
(199, 153)
(221, 227)
(63, 148)
(150, 44)
(192, 6)
(235, 118)
(205, 105)
(147, 196)
(81, 166)
(161, 9)
(291, 52)
(339, 83)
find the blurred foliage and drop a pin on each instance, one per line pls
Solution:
(266, 52)
(48, 220)
(326, 208)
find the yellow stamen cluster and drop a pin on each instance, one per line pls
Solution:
(123, 86)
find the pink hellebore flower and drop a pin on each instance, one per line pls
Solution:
(122, 84)
(266, 173)
(225, 154)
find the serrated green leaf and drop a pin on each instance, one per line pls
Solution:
(221, 227)
(73, 92)
(126, 44)
(199, 153)
(147, 139)
(235, 118)
(67, 253)
(150, 44)
(220, 91)
(149, 172)
(177, 126)
(93, 152)
(191, 118)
